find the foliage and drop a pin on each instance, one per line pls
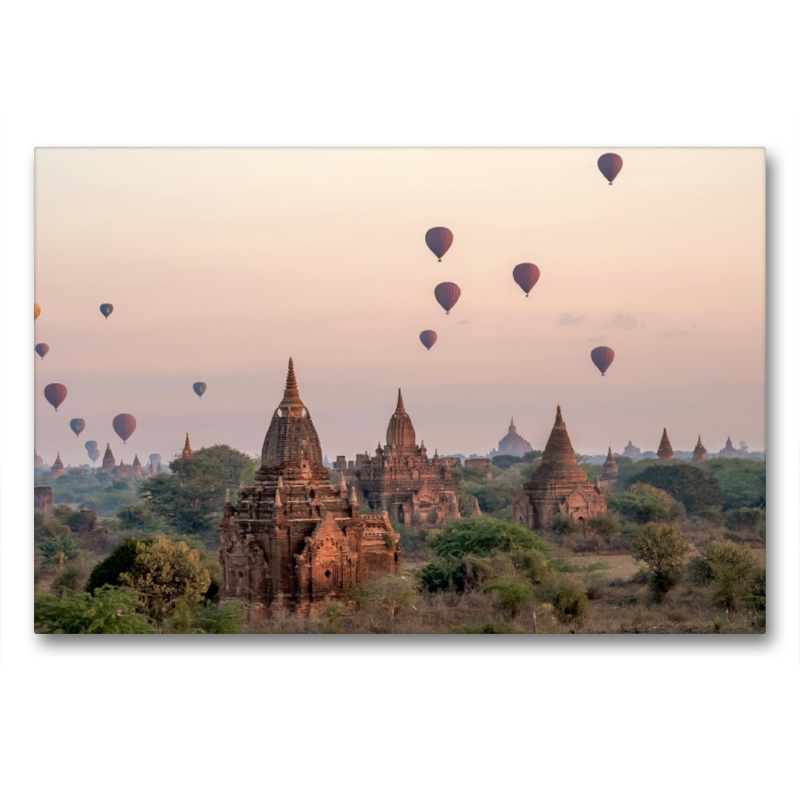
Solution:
(564, 524)
(139, 517)
(567, 595)
(662, 548)
(688, 485)
(492, 495)
(390, 593)
(743, 481)
(645, 503)
(59, 549)
(511, 595)
(483, 536)
(207, 617)
(744, 518)
(732, 568)
(107, 572)
(82, 521)
(443, 575)
(72, 576)
(234, 464)
(532, 455)
(489, 627)
(505, 461)
(605, 524)
(107, 610)
(466, 504)
(412, 541)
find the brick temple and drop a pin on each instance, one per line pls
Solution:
(559, 486)
(295, 539)
(512, 444)
(400, 478)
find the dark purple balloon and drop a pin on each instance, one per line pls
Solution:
(42, 349)
(77, 426)
(428, 338)
(602, 358)
(609, 164)
(526, 276)
(439, 241)
(447, 295)
(199, 388)
(106, 309)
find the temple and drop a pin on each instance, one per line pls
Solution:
(664, 451)
(57, 470)
(512, 444)
(295, 539)
(187, 451)
(729, 451)
(610, 468)
(559, 486)
(400, 478)
(631, 451)
(700, 453)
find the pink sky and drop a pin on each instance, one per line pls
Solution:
(222, 263)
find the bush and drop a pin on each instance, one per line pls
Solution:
(732, 568)
(412, 542)
(136, 517)
(107, 573)
(567, 595)
(493, 495)
(605, 524)
(563, 524)
(511, 595)
(59, 549)
(506, 461)
(83, 521)
(107, 610)
(694, 488)
(744, 518)
(645, 503)
(489, 627)
(483, 536)
(662, 548)
(743, 482)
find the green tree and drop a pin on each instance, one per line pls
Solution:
(505, 461)
(567, 595)
(511, 595)
(107, 610)
(107, 572)
(234, 463)
(743, 481)
(493, 495)
(139, 517)
(564, 524)
(644, 503)
(483, 536)
(662, 548)
(390, 593)
(697, 490)
(59, 549)
(733, 568)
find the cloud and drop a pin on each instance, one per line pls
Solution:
(570, 319)
(622, 321)
(465, 322)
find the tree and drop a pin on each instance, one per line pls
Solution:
(511, 595)
(743, 482)
(234, 463)
(564, 524)
(697, 490)
(492, 495)
(644, 503)
(161, 571)
(505, 461)
(107, 610)
(567, 595)
(661, 548)
(483, 536)
(391, 594)
(732, 567)
(59, 549)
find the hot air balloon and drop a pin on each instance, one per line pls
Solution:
(447, 294)
(199, 388)
(609, 164)
(439, 241)
(124, 425)
(526, 276)
(602, 357)
(428, 338)
(155, 459)
(91, 445)
(55, 394)
(77, 426)
(106, 309)
(36, 311)
(42, 349)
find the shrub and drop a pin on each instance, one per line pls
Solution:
(493, 495)
(412, 542)
(567, 595)
(59, 549)
(505, 461)
(489, 627)
(743, 482)
(136, 517)
(732, 567)
(107, 610)
(511, 595)
(605, 524)
(443, 575)
(743, 518)
(483, 536)
(564, 524)
(697, 490)
(662, 548)
(82, 521)
(643, 503)
(107, 572)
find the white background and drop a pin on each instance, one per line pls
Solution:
(398, 717)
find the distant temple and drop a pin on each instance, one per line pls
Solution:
(57, 470)
(38, 461)
(610, 468)
(512, 444)
(700, 453)
(187, 451)
(559, 486)
(729, 451)
(664, 451)
(631, 452)
(400, 478)
(295, 539)
(108, 460)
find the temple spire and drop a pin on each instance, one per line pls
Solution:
(187, 449)
(401, 409)
(665, 448)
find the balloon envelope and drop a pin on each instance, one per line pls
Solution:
(55, 394)
(526, 276)
(439, 241)
(124, 425)
(602, 358)
(155, 459)
(609, 164)
(428, 338)
(447, 294)
(91, 445)
(199, 388)
(42, 349)
(106, 309)
(36, 311)
(77, 426)
(94, 454)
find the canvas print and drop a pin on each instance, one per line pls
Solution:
(400, 391)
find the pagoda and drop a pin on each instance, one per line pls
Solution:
(610, 468)
(631, 451)
(295, 539)
(664, 451)
(512, 444)
(729, 451)
(700, 453)
(559, 486)
(187, 451)
(57, 470)
(109, 463)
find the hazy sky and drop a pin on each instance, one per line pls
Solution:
(222, 263)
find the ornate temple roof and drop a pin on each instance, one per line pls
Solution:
(58, 463)
(512, 443)
(631, 451)
(700, 453)
(559, 463)
(187, 451)
(610, 468)
(108, 457)
(400, 433)
(291, 446)
(664, 451)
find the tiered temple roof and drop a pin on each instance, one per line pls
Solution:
(664, 451)
(700, 453)
(610, 468)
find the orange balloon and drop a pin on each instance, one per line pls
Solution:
(36, 311)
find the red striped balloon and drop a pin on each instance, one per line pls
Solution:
(609, 164)
(526, 276)
(439, 241)
(428, 338)
(55, 394)
(602, 358)
(447, 294)
(124, 425)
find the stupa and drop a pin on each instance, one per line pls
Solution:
(664, 451)
(700, 453)
(610, 468)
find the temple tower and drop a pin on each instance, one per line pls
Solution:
(610, 468)
(108, 460)
(57, 470)
(664, 451)
(700, 453)
(187, 451)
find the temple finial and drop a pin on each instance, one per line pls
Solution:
(401, 409)
(291, 383)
